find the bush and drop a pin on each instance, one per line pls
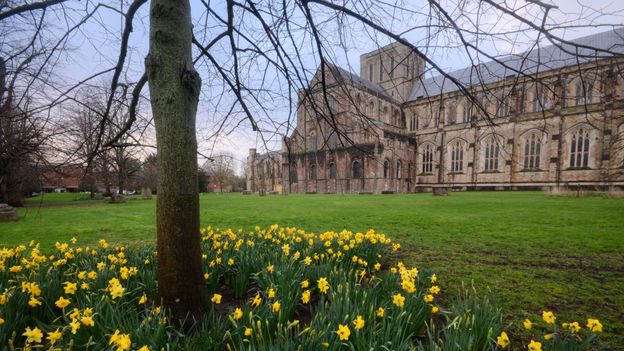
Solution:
(271, 289)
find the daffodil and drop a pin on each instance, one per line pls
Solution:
(359, 322)
(380, 312)
(434, 289)
(534, 346)
(323, 285)
(594, 325)
(527, 324)
(398, 300)
(548, 317)
(124, 342)
(117, 291)
(343, 332)
(305, 296)
(62, 302)
(216, 299)
(248, 331)
(74, 325)
(256, 301)
(34, 302)
(408, 285)
(502, 340)
(574, 327)
(276, 307)
(238, 314)
(33, 335)
(87, 320)
(54, 336)
(70, 288)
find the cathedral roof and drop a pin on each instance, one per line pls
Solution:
(358, 81)
(534, 61)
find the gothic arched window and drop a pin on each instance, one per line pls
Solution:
(414, 122)
(502, 105)
(457, 157)
(356, 170)
(584, 91)
(579, 149)
(492, 150)
(293, 172)
(399, 165)
(540, 100)
(532, 151)
(427, 164)
(466, 114)
(332, 170)
(386, 169)
(452, 113)
(312, 172)
(311, 141)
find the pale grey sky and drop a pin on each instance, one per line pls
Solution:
(95, 47)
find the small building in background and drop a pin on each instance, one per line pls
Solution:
(62, 179)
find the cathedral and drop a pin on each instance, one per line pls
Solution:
(551, 117)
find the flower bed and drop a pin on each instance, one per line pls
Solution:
(276, 288)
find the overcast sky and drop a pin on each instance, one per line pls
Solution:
(97, 45)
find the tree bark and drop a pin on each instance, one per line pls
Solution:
(174, 90)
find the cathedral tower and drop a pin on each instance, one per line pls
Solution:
(394, 67)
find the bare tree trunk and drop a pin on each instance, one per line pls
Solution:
(174, 90)
(13, 191)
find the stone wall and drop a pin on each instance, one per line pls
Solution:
(512, 134)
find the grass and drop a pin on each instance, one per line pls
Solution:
(533, 251)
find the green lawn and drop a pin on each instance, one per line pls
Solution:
(533, 251)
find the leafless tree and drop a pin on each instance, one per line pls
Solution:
(220, 169)
(23, 135)
(253, 56)
(116, 163)
(148, 176)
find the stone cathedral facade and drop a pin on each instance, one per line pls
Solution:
(542, 119)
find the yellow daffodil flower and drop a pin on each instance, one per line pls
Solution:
(343, 332)
(398, 300)
(216, 299)
(548, 317)
(502, 340)
(62, 302)
(359, 322)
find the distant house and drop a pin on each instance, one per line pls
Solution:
(62, 179)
